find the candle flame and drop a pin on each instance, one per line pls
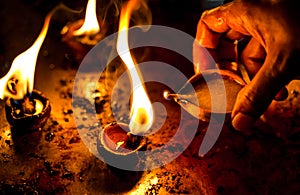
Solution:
(90, 25)
(141, 112)
(19, 80)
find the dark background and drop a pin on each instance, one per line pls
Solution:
(21, 21)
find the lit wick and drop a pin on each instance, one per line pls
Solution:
(25, 107)
(141, 109)
(19, 80)
(122, 139)
(90, 25)
(212, 91)
(169, 96)
(82, 35)
(28, 114)
(116, 139)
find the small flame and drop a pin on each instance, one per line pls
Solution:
(90, 25)
(141, 112)
(19, 80)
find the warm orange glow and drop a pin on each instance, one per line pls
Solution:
(23, 68)
(90, 25)
(141, 112)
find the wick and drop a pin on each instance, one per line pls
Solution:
(132, 138)
(119, 144)
(169, 96)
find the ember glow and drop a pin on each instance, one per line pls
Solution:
(19, 80)
(141, 112)
(90, 25)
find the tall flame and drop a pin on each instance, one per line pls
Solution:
(141, 112)
(21, 73)
(90, 25)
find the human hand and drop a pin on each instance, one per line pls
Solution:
(270, 55)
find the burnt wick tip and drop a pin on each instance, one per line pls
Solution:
(169, 96)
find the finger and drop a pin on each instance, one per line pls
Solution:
(210, 27)
(253, 56)
(244, 121)
(229, 65)
(209, 30)
(254, 99)
(234, 35)
(220, 20)
(227, 49)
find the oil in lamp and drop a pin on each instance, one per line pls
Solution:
(26, 109)
(119, 140)
(84, 34)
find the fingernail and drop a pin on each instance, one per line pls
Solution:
(243, 122)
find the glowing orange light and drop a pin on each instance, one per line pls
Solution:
(141, 112)
(90, 25)
(23, 68)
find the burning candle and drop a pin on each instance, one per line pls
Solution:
(82, 35)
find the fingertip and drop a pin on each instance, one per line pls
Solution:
(243, 122)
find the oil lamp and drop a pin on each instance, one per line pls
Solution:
(82, 35)
(26, 108)
(115, 143)
(141, 112)
(30, 113)
(119, 139)
(216, 92)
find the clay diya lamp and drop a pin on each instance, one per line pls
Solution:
(29, 114)
(81, 44)
(117, 145)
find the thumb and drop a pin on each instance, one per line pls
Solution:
(255, 98)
